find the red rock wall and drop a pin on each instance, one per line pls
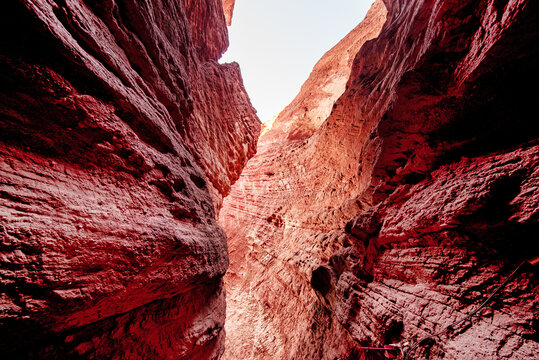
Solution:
(119, 135)
(228, 8)
(290, 193)
(454, 187)
(432, 154)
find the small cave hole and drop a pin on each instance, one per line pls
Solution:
(393, 333)
(199, 181)
(503, 192)
(178, 184)
(321, 280)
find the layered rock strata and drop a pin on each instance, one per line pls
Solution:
(291, 193)
(430, 158)
(119, 135)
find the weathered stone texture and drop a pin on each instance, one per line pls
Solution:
(119, 135)
(289, 195)
(431, 156)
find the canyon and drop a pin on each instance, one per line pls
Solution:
(394, 194)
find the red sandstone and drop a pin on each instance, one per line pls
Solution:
(119, 135)
(395, 192)
(431, 155)
(228, 8)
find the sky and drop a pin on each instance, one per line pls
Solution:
(277, 43)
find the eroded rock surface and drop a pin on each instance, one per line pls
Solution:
(326, 83)
(119, 135)
(291, 193)
(432, 158)
(228, 8)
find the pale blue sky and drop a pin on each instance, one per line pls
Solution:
(277, 43)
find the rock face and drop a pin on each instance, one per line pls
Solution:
(406, 207)
(228, 8)
(289, 195)
(119, 136)
(326, 83)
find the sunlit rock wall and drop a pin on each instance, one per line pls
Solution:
(431, 156)
(290, 193)
(228, 8)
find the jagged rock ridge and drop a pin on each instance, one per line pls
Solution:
(119, 135)
(228, 8)
(431, 154)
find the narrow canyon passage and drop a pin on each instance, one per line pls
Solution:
(299, 186)
(393, 194)
(145, 214)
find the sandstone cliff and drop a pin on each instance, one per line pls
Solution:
(431, 156)
(289, 194)
(119, 135)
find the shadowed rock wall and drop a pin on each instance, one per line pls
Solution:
(119, 135)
